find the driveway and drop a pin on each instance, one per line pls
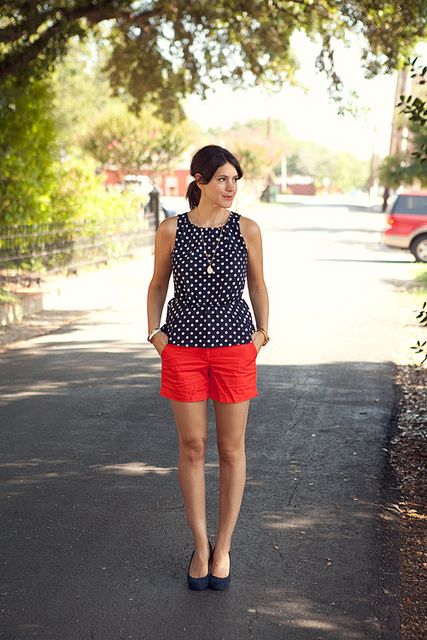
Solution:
(94, 542)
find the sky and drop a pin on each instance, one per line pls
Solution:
(309, 114)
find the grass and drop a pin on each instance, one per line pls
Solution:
(418, 286)
(421, 279)
(6, 296)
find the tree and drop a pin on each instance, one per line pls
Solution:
(28, 151)
(396, 171)
(128, 141)
(37, 186)
(260, 145)
(82, 93)
(345, 171)
(163, 50)
(415, 107)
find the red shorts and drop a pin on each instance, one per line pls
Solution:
(225, 374)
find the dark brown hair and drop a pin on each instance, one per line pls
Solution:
(207, 161)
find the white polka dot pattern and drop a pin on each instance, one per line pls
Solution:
(208, 310)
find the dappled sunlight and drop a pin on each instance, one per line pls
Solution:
(297, 611)
(314, 624)
(21, 474)
(91, 469)
(42, 389)
(77, 368)
(37, 478)
(34, 471)
(347, 517)
(275, 521)
(32, 462)
(133, 469)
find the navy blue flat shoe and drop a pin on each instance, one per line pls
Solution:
(219, 584)
(199, 584)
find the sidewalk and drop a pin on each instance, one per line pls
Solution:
(67, 299)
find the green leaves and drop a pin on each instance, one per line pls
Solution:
(28, 152)
(132, 141)
(415, 108)
(421, 347)
(396, 171)
(163, 50)
(422, 315)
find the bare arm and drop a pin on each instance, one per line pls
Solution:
(256, 284)
(157, 290)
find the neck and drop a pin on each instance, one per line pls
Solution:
(210, 214)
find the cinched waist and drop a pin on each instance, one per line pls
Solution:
(205, 304)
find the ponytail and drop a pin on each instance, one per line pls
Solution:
(193, 194)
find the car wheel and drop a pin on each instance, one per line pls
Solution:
(419, 248)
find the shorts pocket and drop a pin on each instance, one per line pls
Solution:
(164, 349)
(254, 348)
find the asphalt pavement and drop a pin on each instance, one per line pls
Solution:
(94, 542)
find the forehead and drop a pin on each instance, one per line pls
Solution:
(227, 169)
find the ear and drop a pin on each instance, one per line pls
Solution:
(198, 179)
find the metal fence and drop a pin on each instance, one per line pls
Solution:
(27, 252)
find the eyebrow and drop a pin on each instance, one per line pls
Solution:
(222, 175)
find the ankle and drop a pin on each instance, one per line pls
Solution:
(222, 546)
(201, 545)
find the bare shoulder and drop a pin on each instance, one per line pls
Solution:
(165, 236)
(167, 227)
(249, 228)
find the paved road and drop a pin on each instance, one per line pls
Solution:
(94, 543)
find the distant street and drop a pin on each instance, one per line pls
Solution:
(94, 543)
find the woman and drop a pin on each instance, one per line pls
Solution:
(209, 345)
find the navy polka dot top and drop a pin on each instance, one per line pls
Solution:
(208, 310)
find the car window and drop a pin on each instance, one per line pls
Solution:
(410, 204)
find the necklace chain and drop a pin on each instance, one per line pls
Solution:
(209, 259)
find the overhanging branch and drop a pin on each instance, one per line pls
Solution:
(27, 52)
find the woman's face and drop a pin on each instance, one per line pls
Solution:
(222, 187)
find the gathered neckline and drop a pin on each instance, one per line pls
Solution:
(218, 227)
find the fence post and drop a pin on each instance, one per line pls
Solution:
(154, 205)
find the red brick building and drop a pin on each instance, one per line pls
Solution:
(169, 183)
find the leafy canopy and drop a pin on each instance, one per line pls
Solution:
(162, 50)
(403, 169)
(122, 139)
(28, 151)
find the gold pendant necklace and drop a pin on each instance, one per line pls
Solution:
(210, 269)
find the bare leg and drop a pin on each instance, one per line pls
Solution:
(192, 424)
(231, 422)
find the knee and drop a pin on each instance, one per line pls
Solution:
(231, 453)
(194, 449)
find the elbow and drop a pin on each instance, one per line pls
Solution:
(157, 288)
(257, 287)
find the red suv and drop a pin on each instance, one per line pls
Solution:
(407, 224)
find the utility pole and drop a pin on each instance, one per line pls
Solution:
(400, 141)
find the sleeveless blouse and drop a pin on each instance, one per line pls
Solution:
(208, 310)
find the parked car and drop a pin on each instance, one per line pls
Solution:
(407, 224)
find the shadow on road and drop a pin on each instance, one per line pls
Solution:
(373, 260)
(330, 205)
(94, 539)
